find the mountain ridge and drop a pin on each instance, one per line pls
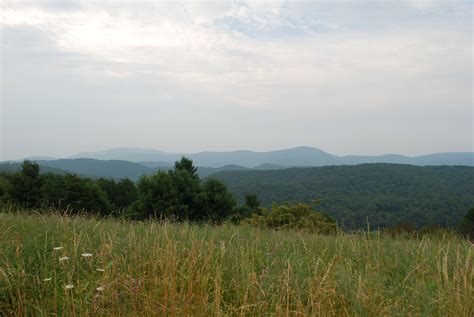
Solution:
(302, 156)
(292, 157)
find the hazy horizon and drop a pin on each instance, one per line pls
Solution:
(77, 154)
(357, 77)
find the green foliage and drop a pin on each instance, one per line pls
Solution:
(181, 269)
(158, 197)
(402, 228)
(467, 224)
(29, 169)
(5, 188)
(250, 207)
(385, 194)
(179, 193)
(53, 191)
(407, 230)
(215, 201)
(293, 216)
(120, 193)
(186, 165)
(432, 230)
(74, 194)
(26, 185)
(252, 202)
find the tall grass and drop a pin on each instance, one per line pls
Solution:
(182, 269)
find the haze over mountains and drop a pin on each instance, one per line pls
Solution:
(298, 156)
(133, 162)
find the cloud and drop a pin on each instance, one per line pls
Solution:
(312, 62)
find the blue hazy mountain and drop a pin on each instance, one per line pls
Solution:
(134, 162)
(16, 167)
(294, 157)
(131, 154)
(116, 169)
(99, 168)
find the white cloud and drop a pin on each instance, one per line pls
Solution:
(303, 60)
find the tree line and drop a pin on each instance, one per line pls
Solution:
(385, 194)
(178, 194)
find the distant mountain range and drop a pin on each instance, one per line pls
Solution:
(294, 157)
(117, 169)
(133, 163)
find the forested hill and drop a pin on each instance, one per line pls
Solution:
(384, 193)
(113, 168)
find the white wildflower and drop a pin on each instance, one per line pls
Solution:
(86, 255)
(47, 279)
(100, 289)
(69, 286)
(63, 258)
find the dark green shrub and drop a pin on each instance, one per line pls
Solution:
(293, 216)
(467, 225)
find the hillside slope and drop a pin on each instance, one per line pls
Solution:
(15, 167)
(100, 168)
(385, 193)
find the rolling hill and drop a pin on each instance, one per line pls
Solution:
(100, 168)
(15, 167)
(114, 168)
(382, 193)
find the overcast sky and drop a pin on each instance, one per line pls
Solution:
(347, 77)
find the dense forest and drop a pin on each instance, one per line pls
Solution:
(178, 193)
(117, 169)
(383, 194)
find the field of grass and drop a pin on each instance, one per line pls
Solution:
(115, 267)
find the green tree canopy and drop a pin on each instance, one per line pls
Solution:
(179, 193)
(186, 165)
(216, 202)
(121, 194)
(467, 224)
(26, 185)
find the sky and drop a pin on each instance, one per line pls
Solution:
(348, 77)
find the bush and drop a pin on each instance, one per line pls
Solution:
(251, 206)
(433, 230)
(293, 216)
(403, 228)
(467, 225)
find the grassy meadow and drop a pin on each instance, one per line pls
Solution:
(59, 265)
